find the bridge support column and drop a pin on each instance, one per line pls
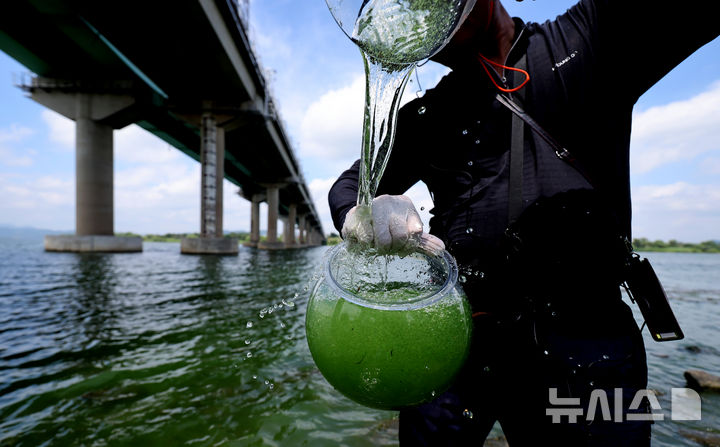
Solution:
(290, 227)
(314, 237)
(273, 201)
(94, 210)
(301, 230)
(254, 221)
(308, 234)
(212, 160)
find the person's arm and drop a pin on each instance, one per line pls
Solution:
(637, 42)
(343, 195)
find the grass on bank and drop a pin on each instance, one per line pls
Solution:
(643, 244)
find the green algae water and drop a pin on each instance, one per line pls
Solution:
(388, 359)
(388, 331)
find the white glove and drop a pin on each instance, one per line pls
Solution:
(393, 226)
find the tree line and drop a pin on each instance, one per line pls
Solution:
(643, 244)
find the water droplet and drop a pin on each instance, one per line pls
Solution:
(247, 342)
(249, 354)
(462, 279)
(574, 372)
(477, 141)
(546, 353)
(606, 357)
(249, 324)
(470, 163)
(254, 377)
(267, 382)
(486, 369)
(422, 208)
(592, 383)
(422, 110)
(432, 393)
(469, 230)
(271, 386)
(427, 367)
(465, 132)
(282, 325)
(467, 414)
(554, 314)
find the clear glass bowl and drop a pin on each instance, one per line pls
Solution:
(400, 31)
(388, 331)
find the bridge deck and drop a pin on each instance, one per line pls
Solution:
(181, 57)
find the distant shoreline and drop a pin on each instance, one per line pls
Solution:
(673, 246)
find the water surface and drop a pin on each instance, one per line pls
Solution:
(157, 348)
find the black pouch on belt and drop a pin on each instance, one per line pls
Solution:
(644, 288)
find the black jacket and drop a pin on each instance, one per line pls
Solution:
(588, 67)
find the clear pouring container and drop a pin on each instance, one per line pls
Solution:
(388, 331)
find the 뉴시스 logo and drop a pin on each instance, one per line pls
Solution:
(685, 405)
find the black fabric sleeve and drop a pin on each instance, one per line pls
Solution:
(402, 171)
(637, 42)
(343, 195)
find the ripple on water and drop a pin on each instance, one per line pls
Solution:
(151, 347)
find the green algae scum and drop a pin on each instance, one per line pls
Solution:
(393, 349)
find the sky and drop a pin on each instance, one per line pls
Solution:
(316, 78)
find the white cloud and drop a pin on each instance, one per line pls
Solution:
(44, 202)
(677, 131)
(332, 126)
(319, 189)
(14, 133)
(711, 165)
(10, 155)
(679, 211)
(136, 145)
(61, 130)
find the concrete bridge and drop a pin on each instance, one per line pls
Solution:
(183, 70)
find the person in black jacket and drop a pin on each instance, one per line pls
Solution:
(551, 330)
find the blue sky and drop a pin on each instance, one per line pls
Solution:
(316, 76)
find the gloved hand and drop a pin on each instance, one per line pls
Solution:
(393, 226)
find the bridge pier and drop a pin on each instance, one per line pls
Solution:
(289, 237)
(254, 221)
(94, 166)
(273, 201)
(212, 161)
(301, 230)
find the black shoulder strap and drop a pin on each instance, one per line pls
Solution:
(517, 154)
(560, 151)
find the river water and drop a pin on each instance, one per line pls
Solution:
(157, 348)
